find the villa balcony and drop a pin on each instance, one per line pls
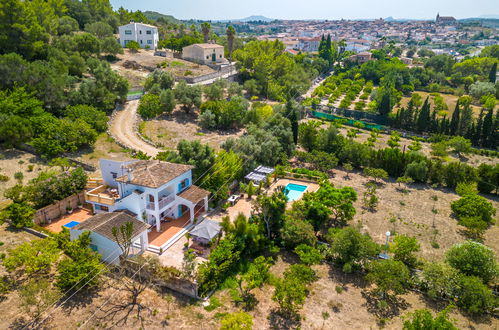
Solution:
(164, 201)
(102, 195)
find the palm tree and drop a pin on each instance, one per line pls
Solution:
(231, 34)
(205, 27)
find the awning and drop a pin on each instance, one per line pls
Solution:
(207, 229)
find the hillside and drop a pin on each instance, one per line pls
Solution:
(153, 15)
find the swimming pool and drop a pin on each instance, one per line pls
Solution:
(71, 224)
(294, 191)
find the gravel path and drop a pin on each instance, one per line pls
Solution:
(122, 128)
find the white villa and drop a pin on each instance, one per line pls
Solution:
(146, 35)
(161, 194)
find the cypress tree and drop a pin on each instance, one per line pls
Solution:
(454, 123)
(293, 117)
(385, 106)
(492, 73)
(477, 136)
(424, 117)
(487, 133)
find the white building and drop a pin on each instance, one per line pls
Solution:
(156, 192)
(104, 241)
(146, 35)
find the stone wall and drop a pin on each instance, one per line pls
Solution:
(54, 211)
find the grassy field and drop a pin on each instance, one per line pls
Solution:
(449, 99)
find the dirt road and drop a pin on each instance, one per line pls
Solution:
(122, 129)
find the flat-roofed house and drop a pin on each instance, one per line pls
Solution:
(146, 35)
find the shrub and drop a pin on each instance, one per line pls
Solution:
(474, 212)
(297, 231)
(473, 259)
(403, 248)
(474, 296)
(423, 319)
(308, 254)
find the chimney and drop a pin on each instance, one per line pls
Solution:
(129, 175)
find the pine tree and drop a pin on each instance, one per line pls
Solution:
(454, 123)
(424, 117)
(492, 73)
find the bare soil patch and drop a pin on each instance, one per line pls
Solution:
(135, 66)
(168, 131)
(13, 161)
(415, 213)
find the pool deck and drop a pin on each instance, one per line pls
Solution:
(78, 215)
(311, 187)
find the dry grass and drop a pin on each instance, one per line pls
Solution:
(449, 99)
(170, 130)
(104, 147)
(13, 161)
(413, 213)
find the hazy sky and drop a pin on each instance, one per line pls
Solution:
(314, 9)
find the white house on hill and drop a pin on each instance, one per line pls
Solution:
(146, 35)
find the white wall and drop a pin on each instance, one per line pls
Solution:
(108, 167)
(138, 32)
(108, 249)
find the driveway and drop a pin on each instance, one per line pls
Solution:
(122, 128)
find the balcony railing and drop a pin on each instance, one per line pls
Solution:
(150, 206)
(164, 201)
(100, 195)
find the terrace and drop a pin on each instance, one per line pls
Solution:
(68, 220)
(102, 195)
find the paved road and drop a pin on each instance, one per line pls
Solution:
(122, 129)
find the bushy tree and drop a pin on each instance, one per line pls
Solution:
(297, 231)
(423, 319)
(473, 259)
(308, 254)
(95, 118)
(32, 258)
(474, 211)
(150, 106)
(162, 79)
(21, 214)
(188, 96)
(389, 276)
(474, 296)
(403, 248)
(351, 249)
(439, 280)
(167, 99)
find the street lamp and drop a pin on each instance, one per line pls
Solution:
(385, 255)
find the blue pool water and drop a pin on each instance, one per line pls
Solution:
(71, 224)
(294, 191)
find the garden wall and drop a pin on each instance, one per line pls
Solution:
(180, 285)
(54, 211)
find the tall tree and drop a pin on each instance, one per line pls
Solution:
(205, 28)
(454, 123)
(492, 73)
(231, 34)
(424, 117)
(487, 125)
(292, 115)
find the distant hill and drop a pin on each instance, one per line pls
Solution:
(486, 22)
(256, 18)
(153, 15)
(489, 16)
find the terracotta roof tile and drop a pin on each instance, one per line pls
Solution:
(194, 194)
(103, 223)
(153, 173)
